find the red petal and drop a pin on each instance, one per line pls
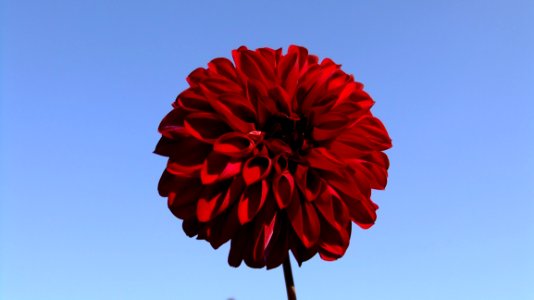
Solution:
(192, 100)
(283, 187)
(223, 228)
(223, 67)
(237, 248)
(368, 134)
(234, 144)
(288, 72)
(278, 246)
(205, 126)
(355, 193)
(190, 227)
(172, 124)
(322, 159)
(252, 65)
(261, 235)
(198, 75)
(183, 196)
(252, 201)
(210, 201)
(333, 210)
(219, 167)
(280, 163)
(305, 221)
(334, 241)
(309, 182)
(329, 126)
(256, 168)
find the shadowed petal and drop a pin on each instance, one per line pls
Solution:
(256, 168)
(304, 221)
(205, 126)
(252, 201)
(234, 144)
(283, 187)
(219, 167)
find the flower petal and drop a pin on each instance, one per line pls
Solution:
(256, 168)
(192, 100)
(252, 201)
(304, 221)
(223, 67)
(210, 201)
(205, 127)
(329, 126)
(283, 188)
(219, 167)
(234, 144)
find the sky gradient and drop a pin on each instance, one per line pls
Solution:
(84, 86)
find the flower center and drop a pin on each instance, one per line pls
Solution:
(294, 131)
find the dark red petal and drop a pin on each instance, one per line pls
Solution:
(237, 248)
(309, 183)
(190, 227)
(210, 201)
(234, 144)
(278, 246)
(205, 126)
(329, 126)
(197, 76)
(253, 66)
(322, 159)
(301, 252)
(334, 241)
(231, 106)
(223, 67)
(352, 93)
(368, 134)
(192, 100)
(252, 201)
(219, 167)
(283, 188)
(316, 80)
(278, 146)
(304, 221)
(256, 168)
(288, 72)
(261, 235)
(183, 196)
(223, 228)
(333, 210)
(281, 99)
(172, 124)
(372, 166)
(169, 183)
(179, 149)
(280, 163)
(180, 166)
(271, 56)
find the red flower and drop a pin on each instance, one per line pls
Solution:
(277, 153)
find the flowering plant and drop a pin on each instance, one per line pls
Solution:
(275, 153)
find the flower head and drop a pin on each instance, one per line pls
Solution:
(278, 152)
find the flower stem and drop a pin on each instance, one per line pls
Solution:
(288, 276)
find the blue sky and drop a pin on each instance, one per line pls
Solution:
(85, 84)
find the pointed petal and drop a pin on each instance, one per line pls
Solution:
(234, 144)
(304, 221)
(205, 127)
(210, 200)
(283, 188)
(219, 167)
(256, 168)
(252, 201)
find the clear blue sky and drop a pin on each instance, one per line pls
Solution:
(85, 83)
